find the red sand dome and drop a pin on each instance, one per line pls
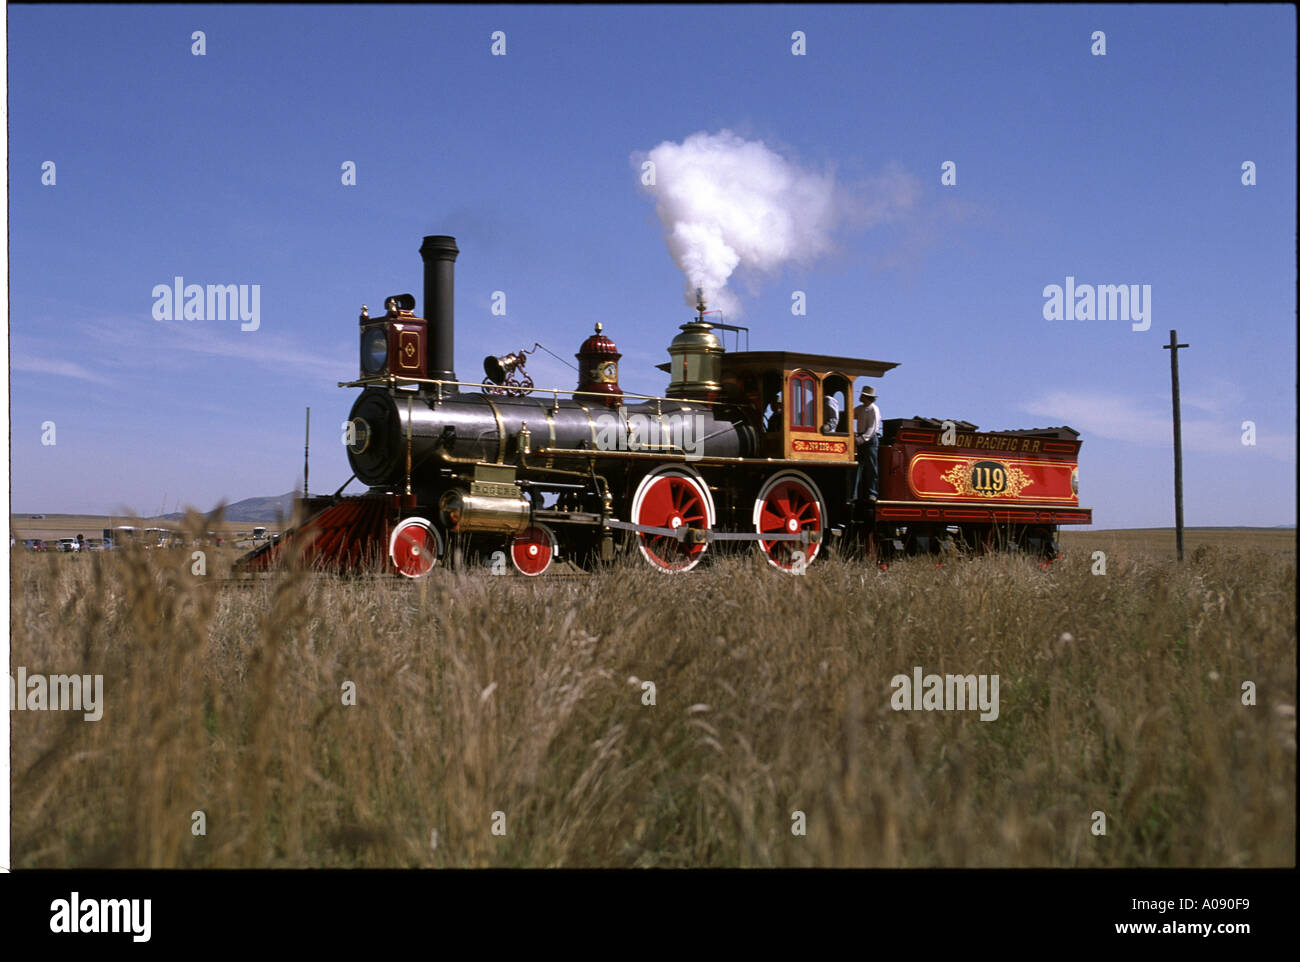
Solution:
(598, 367)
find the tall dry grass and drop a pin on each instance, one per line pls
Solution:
(479, 694)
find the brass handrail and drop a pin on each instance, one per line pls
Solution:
(392, 381)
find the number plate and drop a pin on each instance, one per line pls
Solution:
(494, 489)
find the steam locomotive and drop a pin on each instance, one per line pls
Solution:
(745, 450)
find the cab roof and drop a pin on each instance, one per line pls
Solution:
(821, 363)
(734, 361)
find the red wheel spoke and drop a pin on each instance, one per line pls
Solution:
(658, 501)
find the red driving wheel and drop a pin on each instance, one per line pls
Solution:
(789, 504)
(672, 498)
(414, 547)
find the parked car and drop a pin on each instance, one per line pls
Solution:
(34, 544)
(97, 544)
(69, 544)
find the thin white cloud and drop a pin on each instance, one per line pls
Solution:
(1121, 418)
(1218, 397)
(37, 365)
(128, 343)
(273, 351)
(1107, 416)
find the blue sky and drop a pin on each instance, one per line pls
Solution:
(225, 169)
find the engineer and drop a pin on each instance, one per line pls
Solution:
(866, 418)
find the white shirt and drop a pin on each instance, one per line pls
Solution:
(868, 421)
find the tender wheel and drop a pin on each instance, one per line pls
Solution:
(672, 498)
(788, 504)
(414, 547)
(532, 549)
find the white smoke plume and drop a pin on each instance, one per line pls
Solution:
(727, 203)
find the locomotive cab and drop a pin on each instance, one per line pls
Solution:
(802, 403)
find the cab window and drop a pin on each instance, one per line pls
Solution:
(835, 404)
(771, 402)
(803, 395)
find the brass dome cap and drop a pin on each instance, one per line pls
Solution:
(696, 336)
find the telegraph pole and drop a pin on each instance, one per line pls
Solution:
(1172, 347)
(307, 451)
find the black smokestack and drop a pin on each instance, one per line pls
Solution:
(439, 254)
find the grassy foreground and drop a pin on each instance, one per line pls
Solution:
(1119, 693)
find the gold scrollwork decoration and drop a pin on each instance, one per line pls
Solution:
(974, 478)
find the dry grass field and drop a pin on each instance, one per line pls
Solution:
(1161, 542)
(1119, 693)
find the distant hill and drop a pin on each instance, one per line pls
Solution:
(268, 510)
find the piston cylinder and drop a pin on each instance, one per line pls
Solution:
(462, 511)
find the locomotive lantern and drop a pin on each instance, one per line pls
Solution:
(395, 343)
(598, 367)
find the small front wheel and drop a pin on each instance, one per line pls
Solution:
(415, 547)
